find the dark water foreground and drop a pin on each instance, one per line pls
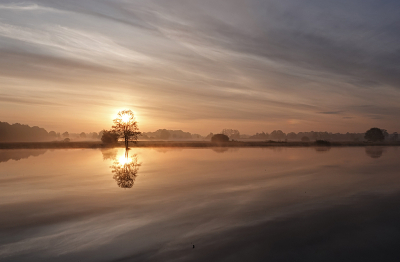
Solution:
(248, 204)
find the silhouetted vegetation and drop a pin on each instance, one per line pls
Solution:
(231, 133)
(22, 133)
(322, 143)
(278, 134)
(165, 134)
(25, 133)
(375, 134)
(109, 137)
(260, 136)
(53, 135)
(219, 138)
(125, 125)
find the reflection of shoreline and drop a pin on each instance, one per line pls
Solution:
(224, 149)
(321, 149)
(125, 170)
(17, 154)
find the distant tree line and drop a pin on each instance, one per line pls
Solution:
(21, 133)
(279, 135)
(314, 136)
(24, 133)
(164, 134)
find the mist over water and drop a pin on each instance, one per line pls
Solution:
(248, 204)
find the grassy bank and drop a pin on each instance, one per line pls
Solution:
(194, 144)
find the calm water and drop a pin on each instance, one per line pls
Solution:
(283, 204)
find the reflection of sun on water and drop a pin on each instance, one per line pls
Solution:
(124, 160)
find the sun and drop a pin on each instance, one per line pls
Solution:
(125, 118)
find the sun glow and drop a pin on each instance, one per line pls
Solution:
(125, 118)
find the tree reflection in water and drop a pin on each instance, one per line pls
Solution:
(125, 170)
(374, 151)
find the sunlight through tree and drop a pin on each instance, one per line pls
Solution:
(126, 126)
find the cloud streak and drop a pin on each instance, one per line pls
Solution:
(214, 59)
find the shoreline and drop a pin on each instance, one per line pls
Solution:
(184, 144)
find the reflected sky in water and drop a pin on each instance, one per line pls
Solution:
(248, 204)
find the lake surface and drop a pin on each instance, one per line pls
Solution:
(248, 204)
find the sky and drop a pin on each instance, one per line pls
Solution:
(201, 65)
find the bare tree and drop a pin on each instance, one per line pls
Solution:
(126, 126)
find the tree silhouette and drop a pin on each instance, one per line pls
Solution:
(126, 126)
(125, 170)
(375, 134)
(164, 134)
(109, 137)
(278, 134)
(219, 138)
(231, 133)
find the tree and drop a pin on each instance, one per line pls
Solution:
(95, 135)
(164, 134)
(231, 133)
(291, 136)
(262, 136)
(126, 126)
(375, 134)
(65, 134)
(209, 136)
(82, 135)
(278, 134)
(109, 137)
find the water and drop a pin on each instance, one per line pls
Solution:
(249, 204)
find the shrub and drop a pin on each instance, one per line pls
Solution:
(219, 138)
(109, 137)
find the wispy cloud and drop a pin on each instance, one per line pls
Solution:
(204, 60)
(26, 7)
(74, 43)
